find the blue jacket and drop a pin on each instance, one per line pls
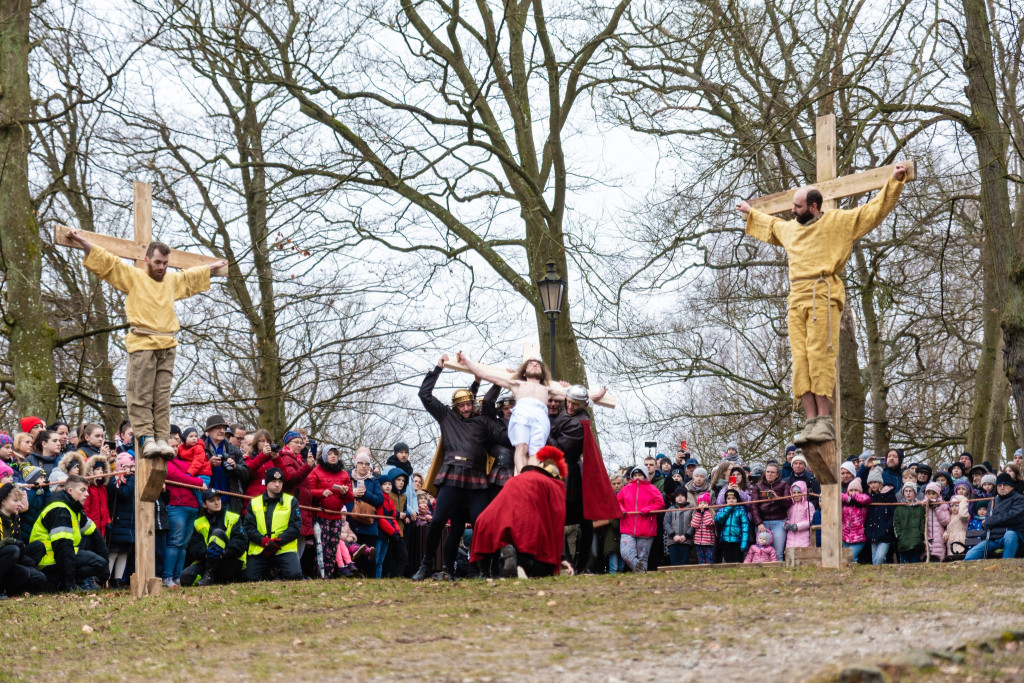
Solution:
(375, 497)
(878, 523)
(121, 501)
(37, 500)
(412, 503)
(734, 525)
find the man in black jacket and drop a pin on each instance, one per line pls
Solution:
(567, 436)
(74, 549)
(462, 479)
(273, 525)
(229, 472)
(216, 552)
(1004, 524)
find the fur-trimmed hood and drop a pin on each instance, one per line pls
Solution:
(70, 459)
(94, 462)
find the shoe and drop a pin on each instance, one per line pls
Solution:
(370, 552)
(824, 430)
(804, 437)
(421, 573)
(442, 575)
(165, 451)
(150, 448)
(345, 571)
(508, 561)
(169, 583)
(359, 552)
(521, 573)
(89, 584)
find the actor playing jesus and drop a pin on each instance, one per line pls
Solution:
(818, 244)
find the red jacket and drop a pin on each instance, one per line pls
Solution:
(177, 470)
(389, 526)
(258, 465)
(199, 466)
(320, 480)
(95, 506)
(294, 467)
(639, 496)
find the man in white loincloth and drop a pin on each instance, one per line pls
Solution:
(529, 426)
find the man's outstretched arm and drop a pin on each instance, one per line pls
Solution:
(485, 373)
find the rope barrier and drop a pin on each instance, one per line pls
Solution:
(816, 495)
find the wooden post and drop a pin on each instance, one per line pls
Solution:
(831, 453)
(149, 472)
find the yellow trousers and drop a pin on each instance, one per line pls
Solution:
(814, 363)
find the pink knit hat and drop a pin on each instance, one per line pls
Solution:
(5, 470)
(125, 460)
(855, 485)
(704, 498)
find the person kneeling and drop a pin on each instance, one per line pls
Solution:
(528, 514)
(18, 573)
(73, 547)
(272, 526)
(217, 548)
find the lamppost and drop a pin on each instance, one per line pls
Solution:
(552, 289)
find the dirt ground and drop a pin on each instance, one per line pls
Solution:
(771, 624)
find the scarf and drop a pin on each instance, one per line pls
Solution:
(404, 466)
(333, 469)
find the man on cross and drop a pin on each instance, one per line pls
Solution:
(149, 305)
(531, 385)
(818, 245)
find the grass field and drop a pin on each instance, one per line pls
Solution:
(731, 624)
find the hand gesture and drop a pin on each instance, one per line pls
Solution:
(444, 359)
(266, 447)
(743, 207)
(327, 493)
(565, 385)
(217, 265)
(461, 358)
(567, 569)
(899, 172)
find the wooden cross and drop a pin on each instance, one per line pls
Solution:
(825, 458)
(530, 350)
(150, 473)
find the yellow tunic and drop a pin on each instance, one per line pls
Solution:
(149, 304)
(817, 254)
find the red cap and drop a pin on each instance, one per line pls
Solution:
(554, 456)
(27, 423)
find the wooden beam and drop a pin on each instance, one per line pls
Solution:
(608, 401)
(836, 188)
(142, 216)
(132, 249)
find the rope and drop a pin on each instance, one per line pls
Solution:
(816, 495)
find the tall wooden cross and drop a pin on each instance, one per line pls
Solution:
(150, 473)
(530, 350)
(825, 458)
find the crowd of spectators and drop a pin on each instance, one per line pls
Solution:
(237, 506)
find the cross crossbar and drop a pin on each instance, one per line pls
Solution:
(135, 250)
(837, 188)
(607, 401)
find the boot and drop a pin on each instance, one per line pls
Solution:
(165, 450)
(209, 572)
(150, 448)
(446, 574)
(508, 562)
(824, 430)
(421, 573)
(804, 437)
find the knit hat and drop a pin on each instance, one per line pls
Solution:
(5, 470)
(701, 471)
(400, 446)
(734, 446)
(273, 474)
(764, 537)
(641, 470)
(800, 458)
(962, 482)
(989, 479)
(362, 457)
(934, 486)
(288, 436)
(5, 439)
(32, 475)
(909, 485)
(175, 430)
(189, 431)
(57, 477)
(5, 491)
(1004, 478)
(125, 460)
(27, 423)
(704, 498)
(924, 467)
(790, 448)
(848, 466)
(875, 475)
(855, 485)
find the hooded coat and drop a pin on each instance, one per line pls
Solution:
(879, 521)
(692, 491)
(936, 519)
(908, 525)
(642, 497)
(69, 460)
(800, 513)
(758, 553)
(855, 513)
(121, 504)
(734, 524)
(97, 506)
(956, 529)
(325, 477)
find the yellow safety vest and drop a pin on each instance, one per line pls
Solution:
(73, 533)
(202, 525)
(279, 523)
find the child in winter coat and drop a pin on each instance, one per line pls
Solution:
(762, 551)
(735, 527)
(908, 523)
(637, 500)
(193, 451)
(96, 506)
(347, 547)
(988, 489)
(696, 486)
(675, 532)
(936, 519)
(798, 518)
(855, 511)
(980, 513)
(388, 525)
(703, 523)
(956, 530)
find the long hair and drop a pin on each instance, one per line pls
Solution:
(521, 372)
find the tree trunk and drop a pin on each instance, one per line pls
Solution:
(851, 387)
(988, 367)
(31, 337)
(876, 360)
(1000, 398)
(986, 129)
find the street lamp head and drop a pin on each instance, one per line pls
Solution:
(552, 289)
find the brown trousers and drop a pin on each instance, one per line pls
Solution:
(149, 392)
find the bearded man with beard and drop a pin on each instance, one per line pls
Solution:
(149, 305)
(818, 244)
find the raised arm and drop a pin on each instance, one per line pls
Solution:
(485, 373)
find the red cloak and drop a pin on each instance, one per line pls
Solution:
(599, 500)
(529, 514)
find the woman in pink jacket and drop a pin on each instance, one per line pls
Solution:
(935, 522)
(182, 510)
(637, 500)
(855, 511)
(798, 519)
